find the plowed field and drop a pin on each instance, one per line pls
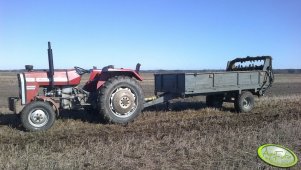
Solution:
(190, 136)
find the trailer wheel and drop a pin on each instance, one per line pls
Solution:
(37, 116)
(244, 102)
(215, 101)
(120, 100)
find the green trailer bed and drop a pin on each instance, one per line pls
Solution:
(243, 78)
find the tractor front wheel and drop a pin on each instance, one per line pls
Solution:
(37, 116)
(120, 100)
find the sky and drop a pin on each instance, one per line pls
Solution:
(159, 34)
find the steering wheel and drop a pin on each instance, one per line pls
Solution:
(80, 70)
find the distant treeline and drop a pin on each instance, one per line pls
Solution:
(276, 71)
(289, 71)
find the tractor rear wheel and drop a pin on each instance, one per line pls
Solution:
(37, 116)
(120, 100)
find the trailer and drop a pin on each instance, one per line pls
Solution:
(243, 78)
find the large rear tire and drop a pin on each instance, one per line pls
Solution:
(37, 116)
(244, 102)
(120, 100)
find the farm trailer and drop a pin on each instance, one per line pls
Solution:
(118, 97)
(243, 78)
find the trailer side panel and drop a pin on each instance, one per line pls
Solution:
(198, 83)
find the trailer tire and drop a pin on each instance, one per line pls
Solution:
(244, 102)
(37, 116)
(120, 100)
(215, 101)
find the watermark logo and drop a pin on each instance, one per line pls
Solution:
(277, 155)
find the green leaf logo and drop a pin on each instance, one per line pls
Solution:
(277, 155)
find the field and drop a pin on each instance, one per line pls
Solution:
(190, 136)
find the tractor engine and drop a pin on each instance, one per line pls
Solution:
(70, 97)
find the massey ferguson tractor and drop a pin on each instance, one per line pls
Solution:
(115, 93)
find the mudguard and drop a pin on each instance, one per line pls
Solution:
(99, 76)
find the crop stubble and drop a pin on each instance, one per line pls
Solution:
(189, 137)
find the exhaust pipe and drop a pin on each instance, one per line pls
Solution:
(138, 68)
(51, 68)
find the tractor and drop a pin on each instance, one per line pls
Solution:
(114, 93)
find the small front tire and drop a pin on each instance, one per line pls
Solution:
(37, 116)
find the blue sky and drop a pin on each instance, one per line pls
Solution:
(160, 34)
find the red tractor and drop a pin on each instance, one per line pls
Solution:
(115, 93)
